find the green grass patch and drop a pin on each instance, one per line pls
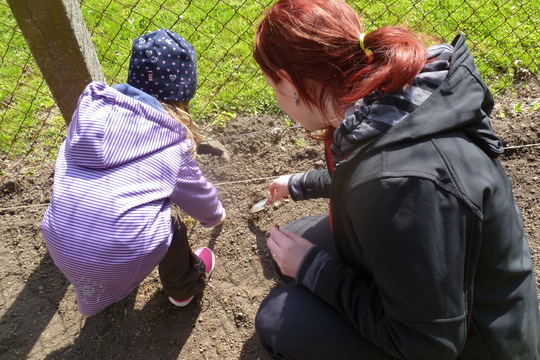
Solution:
(503, 36)
(25, 101)
(222, 34)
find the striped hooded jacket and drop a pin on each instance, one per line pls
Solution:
(122, 164)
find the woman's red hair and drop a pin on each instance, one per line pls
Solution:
(317, 42)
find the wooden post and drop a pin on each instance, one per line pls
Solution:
(60, 43)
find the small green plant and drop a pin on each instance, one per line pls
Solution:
(535, 105)
(222, 119)
(288, 121)
(299, 142)
(518, 107)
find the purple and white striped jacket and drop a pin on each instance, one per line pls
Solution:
(109, 221)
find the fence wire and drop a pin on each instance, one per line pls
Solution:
(503, 36)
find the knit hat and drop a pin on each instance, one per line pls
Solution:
(163, 65)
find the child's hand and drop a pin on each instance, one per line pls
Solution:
(279, 188)
(223, 216)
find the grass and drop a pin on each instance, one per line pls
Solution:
(222, 34)
(503, 36)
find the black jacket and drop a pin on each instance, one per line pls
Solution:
(434, 263)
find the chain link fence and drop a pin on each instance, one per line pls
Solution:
(503, 36)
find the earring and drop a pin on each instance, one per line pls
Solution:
(296, 100)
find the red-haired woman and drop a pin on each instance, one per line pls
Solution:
(424, 254)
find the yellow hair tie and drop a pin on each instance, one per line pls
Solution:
(361, 42)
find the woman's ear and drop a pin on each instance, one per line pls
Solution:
(284, 75)
(285, 84)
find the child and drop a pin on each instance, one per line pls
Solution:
(128, 156)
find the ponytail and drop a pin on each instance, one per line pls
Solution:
(317, 42)
(395, 55)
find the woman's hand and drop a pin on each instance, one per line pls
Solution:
(279, 188)
(287, 249)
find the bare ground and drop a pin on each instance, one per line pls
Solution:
(38, 313)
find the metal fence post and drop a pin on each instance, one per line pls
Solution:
(61, 45)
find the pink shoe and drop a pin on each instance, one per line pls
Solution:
(209, 260)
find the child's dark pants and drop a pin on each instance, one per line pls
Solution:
(181, 272)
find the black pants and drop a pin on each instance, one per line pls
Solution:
(181, 272)
(293, 323)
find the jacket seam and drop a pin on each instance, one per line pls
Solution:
(448, 165)
(430, 321)
(396, 174)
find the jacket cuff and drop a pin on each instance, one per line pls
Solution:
(217, 220)
(311, 266)
(295, 186)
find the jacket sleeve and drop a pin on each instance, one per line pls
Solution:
(195, 195)
(312, 184)
(406, 289)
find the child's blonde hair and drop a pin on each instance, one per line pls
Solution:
(179, 110)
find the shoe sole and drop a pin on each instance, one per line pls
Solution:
(181, 303)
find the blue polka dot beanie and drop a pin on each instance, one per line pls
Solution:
(163, 65)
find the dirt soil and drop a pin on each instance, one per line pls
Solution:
(38, 313)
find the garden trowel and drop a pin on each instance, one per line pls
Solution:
(260, 206)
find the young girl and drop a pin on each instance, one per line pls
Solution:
(424, 254)
(128, 157)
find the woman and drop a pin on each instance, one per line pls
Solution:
(423, 254)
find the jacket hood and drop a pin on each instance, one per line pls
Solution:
(111, 128)
(461, 102)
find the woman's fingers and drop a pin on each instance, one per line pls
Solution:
(272, 241)
(287, 249)
(293, 237)
(279, 188)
